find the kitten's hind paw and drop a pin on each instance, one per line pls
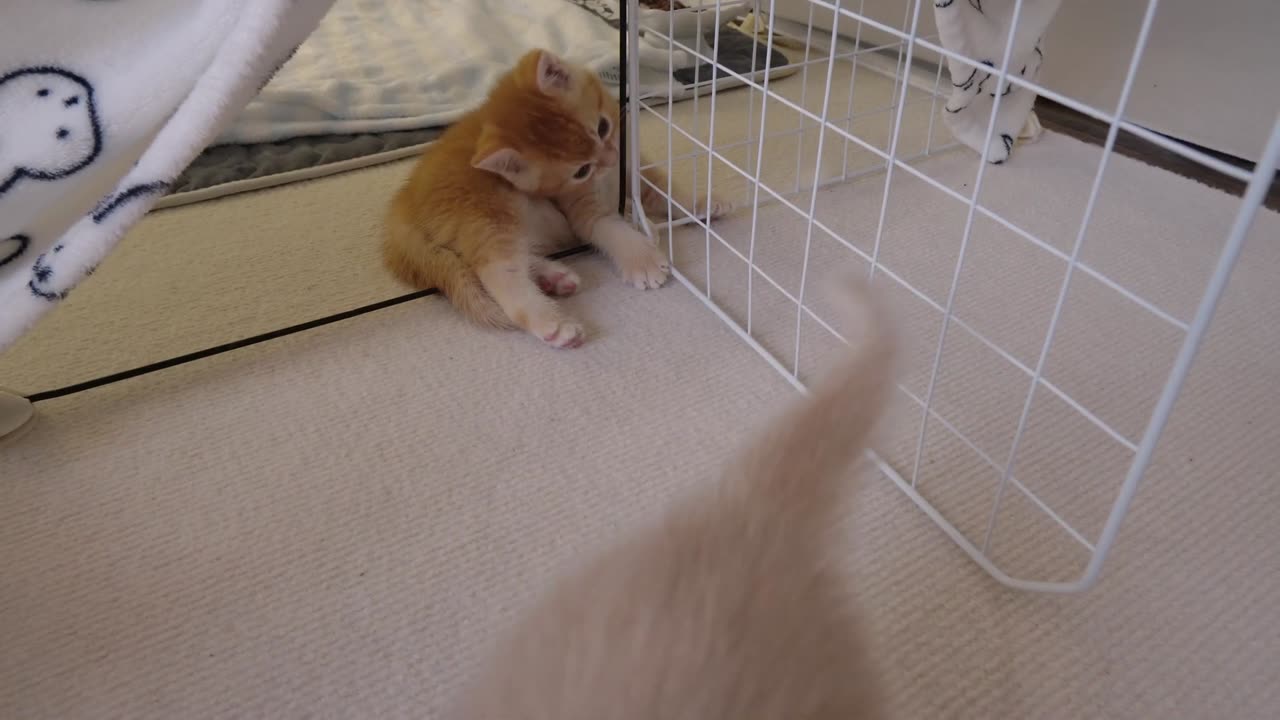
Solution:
(556, 279)
(564, 335)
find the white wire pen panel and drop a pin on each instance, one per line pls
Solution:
(1047, 340)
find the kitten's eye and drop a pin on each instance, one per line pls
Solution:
(583, 171)
(603, 128)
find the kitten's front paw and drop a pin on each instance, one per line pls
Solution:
(561, 334)
(655, 205)
(646, 270)
(714, 210)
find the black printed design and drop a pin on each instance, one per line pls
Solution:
(114, 202)
(12, 248)
(968, 82)
(49, 125)
(978, 84)
(943, 4)
(973, 85)
(985, 75)
(41, 283)
(44, 281)
(1007, 140)
(1007, 89)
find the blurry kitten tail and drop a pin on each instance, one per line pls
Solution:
(797, 464)
(462, 286)
(426, 267)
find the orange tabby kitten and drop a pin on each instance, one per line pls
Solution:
(511, 181)
(729, 608)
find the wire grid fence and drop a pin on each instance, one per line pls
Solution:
(844, 111)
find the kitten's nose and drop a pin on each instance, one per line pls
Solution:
(609, 157)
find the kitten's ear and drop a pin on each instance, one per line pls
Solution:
(553, 73)
(494, 154)
(503, 161)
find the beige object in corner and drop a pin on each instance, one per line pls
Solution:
(15, 414)
(1031, 129)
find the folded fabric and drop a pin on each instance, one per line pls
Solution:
(390, 65)
(377, 66)
(102, 104)
(979, 30)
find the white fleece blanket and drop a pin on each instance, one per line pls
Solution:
(979, 30)
(382, 65)
(102, 104)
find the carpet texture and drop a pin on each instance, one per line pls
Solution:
(335, 524)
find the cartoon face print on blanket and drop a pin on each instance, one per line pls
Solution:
(48, 125)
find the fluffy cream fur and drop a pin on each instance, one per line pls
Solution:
(728, 608)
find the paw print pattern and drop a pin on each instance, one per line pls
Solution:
(52, 277)
(943, 4)
(45, 280)
(48, 125)
(41, 283)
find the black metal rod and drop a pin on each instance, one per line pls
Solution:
(623, 101)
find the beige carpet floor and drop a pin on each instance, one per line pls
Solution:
(335, 523)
